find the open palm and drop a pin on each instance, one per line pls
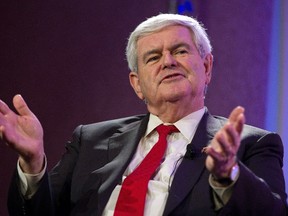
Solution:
(23, 131)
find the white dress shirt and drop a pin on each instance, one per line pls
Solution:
(158, 187)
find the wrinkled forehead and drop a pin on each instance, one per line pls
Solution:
(178, 31)
(167, 37)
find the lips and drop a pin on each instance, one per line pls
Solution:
(171, 76)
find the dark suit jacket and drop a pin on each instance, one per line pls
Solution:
(81, 183)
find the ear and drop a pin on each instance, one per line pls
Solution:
(135, 83)
(208, 64)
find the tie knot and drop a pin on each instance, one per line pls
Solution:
(166, 129)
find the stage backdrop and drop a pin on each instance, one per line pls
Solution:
(277, 94)
(67, 60)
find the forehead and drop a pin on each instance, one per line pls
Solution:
(167, 36)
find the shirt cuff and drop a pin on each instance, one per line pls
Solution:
(29, 183)
(222, 194)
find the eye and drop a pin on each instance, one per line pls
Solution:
(152, 59)
(181, 52)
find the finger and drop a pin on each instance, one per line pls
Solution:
(209, 150)
(237, 118)
(220, 144)
(231, 142)
(1, 131)
(224, 139)
(21, 106)
(220, 160)
(4, 109)
(3, 135)
(235, 113)
(240, 122)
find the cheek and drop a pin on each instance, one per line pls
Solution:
(196, 67)
(145, 83)
(196, 71)
(148, 76)
(197, 80)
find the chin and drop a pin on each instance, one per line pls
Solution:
(174, 97)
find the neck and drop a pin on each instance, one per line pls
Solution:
(172, 112)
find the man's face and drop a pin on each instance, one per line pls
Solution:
(170, 69)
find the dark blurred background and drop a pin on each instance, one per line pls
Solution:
(67, 59)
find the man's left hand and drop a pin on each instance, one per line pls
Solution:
(224, 147)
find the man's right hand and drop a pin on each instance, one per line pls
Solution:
(23, 132)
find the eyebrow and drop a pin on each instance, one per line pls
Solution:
(181, 44)
(173, 47)
(150, 52)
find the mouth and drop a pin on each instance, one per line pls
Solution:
(171, 77)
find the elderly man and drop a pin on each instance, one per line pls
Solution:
(176, 160)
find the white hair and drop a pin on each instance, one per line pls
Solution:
(155, 24)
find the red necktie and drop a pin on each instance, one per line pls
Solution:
(131, 200)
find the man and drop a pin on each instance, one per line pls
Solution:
(211, 165)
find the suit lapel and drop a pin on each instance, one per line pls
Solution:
(121, 148)
(191, 169)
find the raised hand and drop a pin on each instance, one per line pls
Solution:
(224, 147)
(23, 132)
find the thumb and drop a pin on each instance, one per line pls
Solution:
(21, 106)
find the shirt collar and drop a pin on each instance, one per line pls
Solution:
(187, 125)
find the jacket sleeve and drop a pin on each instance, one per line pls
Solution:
(53, 194)
(260, 189)
(40, 204)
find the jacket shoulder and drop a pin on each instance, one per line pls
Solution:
(109, 126)
(247, 129)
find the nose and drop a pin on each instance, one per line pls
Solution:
(169, 61)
